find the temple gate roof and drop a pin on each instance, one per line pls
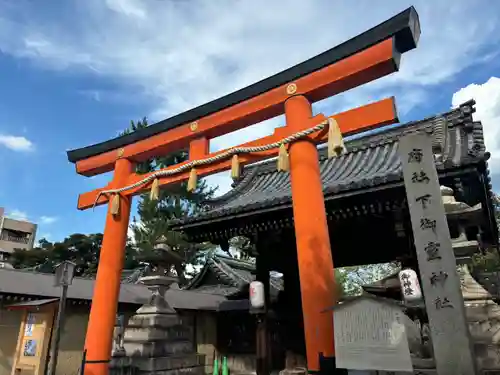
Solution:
(228, 277)
(371, 163)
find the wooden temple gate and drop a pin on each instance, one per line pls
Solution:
(369, 56)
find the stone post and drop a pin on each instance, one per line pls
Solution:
(438, 269)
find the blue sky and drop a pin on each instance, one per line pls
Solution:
(76, 72)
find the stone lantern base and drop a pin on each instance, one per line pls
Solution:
(157, 340)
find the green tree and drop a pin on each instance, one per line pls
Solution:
(37, 259)
(159, 247)
(341, 280)
(241, 247)
(353, 278)
(488, 260)
(81, 249)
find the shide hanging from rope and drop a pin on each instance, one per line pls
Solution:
(367, 57)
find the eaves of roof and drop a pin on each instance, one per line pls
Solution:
(33, 284)
(237, 274)
(13, 281)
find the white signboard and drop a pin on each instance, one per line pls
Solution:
(28, 330)
(30, 321)
(370, 335)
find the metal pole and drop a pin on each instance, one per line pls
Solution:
(57, 331)
(82, 367)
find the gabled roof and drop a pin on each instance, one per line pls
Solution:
(32, 304)
(388, 283)
(39, 285)
(229, 277)
(371, 162)
(13, 281)
(351, 300)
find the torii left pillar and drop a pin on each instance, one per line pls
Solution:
(99, 341)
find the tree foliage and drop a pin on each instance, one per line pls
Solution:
(158, 246)
(81, 249)
(242, 247)
(489, 260)
(153, 244)
(353, 278)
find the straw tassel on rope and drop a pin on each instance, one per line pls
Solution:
(193, 180)
(335, 140)
(235, 167)
(154, 194)
(115, 205)
(283, 162)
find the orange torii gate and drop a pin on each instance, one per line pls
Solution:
(367, 57)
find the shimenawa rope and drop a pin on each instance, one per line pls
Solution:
(335, 148)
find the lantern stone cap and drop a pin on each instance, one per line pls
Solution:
(471, 289)
(459, 210)
(449, 201)
(446, 191)
(158, 280)
(65, 262)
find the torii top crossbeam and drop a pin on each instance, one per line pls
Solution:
(367, 57)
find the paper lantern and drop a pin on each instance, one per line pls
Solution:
(410, 287)
(257, 295)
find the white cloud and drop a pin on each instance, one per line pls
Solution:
(176, 55)
(16, 143)
(182, 54)
(17, 215)
(21, 215)
(130, 8)
(487, 97)
(47, 219)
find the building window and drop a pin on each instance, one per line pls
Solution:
(15, 236)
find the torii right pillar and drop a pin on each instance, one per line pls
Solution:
(317, 280)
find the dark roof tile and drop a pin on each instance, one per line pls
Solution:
(234, 274)
(370, 161)
(42, 285)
